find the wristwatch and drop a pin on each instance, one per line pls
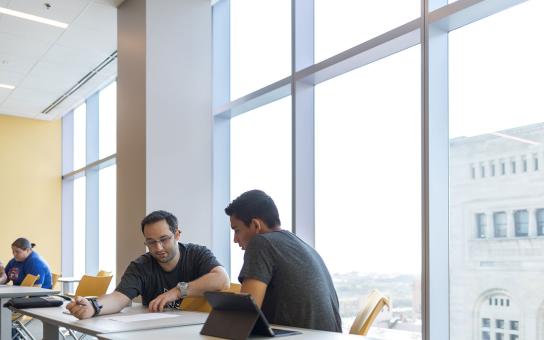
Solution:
(183, 288)
(96, 305)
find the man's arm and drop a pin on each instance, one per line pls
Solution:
(3, 278)
(216, 279)
(256, 288)
(111, 303)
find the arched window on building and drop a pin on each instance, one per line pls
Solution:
(498, 318)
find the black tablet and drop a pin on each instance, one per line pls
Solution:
(236, 316)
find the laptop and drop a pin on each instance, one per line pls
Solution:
(237, 316)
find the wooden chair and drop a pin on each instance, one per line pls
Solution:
(372, 306)
(54, 280)
(29, 280)
(103, 273)
(199, 303)
(92, 286)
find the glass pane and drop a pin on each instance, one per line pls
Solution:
(107, 203)
(80, 134)
(340, 25)
(107, 123)
(495, 84)
(260, 159)
(260, 38)
(79, 226)
(368, 167)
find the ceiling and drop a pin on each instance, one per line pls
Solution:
(43, 62)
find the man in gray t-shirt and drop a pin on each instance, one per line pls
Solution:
(286, 277)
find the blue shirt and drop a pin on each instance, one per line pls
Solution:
(34, 264)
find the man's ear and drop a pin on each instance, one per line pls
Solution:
(258, 225)
(177, 235)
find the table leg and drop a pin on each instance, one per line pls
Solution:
(5, 320)
(65, 287)
(50, 331)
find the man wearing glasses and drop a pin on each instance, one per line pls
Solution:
(163, 276)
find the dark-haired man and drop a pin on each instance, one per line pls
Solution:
(163, 276)
(286, 277)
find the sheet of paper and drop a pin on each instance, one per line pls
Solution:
(142, 317)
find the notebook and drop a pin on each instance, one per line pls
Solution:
(237, 316)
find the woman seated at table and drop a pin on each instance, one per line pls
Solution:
(25, 261)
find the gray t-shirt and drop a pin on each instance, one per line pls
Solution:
(144, 276)
(300, 292)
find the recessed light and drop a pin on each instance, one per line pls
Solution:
(31, 17)
(5, 86)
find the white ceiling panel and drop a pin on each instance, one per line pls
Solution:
(4, 93)
(29, 29)
(80, 57)
(21, 47)
(97, 17)
(60, 10)
(87, 39)
(15, 64)
(11, 78)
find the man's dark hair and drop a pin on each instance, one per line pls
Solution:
(160, 215)
(254, 204)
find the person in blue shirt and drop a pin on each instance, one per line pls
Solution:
(25, 261)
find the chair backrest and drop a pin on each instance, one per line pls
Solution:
(103, 273)
(29, 280)
(93, 285)
(200, 304)
(372, 306)
(54, 279)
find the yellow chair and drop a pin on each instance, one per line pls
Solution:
(103, 273)
(199, 303)
(54, 280)
(372, 306)
(29, 280)
(92, 285)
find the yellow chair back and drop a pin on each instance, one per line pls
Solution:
(93, 285)
(103, 273)
(54, 279)
(372, 306)
(199, 303)
(29, 280)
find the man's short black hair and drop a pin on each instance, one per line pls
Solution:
(254, 204)
(160, 215)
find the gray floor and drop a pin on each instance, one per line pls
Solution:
(36, 328)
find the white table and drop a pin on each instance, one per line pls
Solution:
(7, 292)
(67, 282)
(55, 317)
(193, 333)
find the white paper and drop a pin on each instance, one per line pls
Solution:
(142, 317)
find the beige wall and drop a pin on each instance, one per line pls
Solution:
(30, 186)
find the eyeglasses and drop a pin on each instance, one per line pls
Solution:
(163, 240)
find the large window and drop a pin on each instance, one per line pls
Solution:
(416, 144)
(376, 174)
(260, 159)
(495, 115)
(89, 185)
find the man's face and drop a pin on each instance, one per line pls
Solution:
(162, 244)
(242, 233)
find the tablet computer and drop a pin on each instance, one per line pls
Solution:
(237, 316)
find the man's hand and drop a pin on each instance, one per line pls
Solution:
(157, 304)
(81, 308)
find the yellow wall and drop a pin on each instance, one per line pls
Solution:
(30, 186)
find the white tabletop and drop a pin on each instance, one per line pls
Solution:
(69, 279)
(7, 292)
(139, 319)
(193, 333)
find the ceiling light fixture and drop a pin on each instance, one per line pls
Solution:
(35, 18)
(5, 86)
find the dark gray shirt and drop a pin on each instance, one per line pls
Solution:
(300, 291)
(144, 276)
